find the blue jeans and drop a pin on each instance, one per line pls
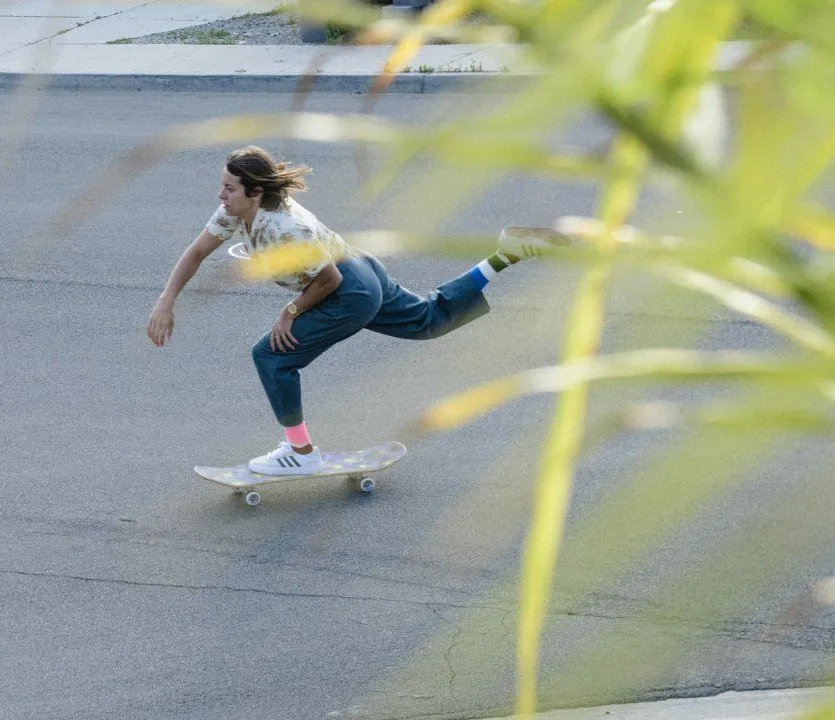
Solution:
(368, 299)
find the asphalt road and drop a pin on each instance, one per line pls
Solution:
(131, 588)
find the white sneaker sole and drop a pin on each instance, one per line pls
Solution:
(586, 228)
(276, 471)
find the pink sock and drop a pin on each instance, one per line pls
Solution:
(297, 436)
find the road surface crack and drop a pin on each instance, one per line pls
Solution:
(225, 588)
(449, 663)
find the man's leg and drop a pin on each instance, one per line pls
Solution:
(407, 315)
(342, 314)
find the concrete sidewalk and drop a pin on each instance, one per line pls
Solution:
(64, 43)
(758, 705)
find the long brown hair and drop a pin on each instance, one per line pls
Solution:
(256, 169)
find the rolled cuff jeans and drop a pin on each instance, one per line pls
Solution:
(368, 299)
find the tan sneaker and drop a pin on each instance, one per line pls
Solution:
(520, 243)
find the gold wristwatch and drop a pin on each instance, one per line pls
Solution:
(293, 309)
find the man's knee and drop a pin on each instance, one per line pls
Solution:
(275, 364)
(260, 353)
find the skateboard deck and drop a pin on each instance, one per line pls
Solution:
(353, 464)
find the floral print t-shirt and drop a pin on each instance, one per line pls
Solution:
(290, 223)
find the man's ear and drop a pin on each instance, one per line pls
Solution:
(257, 192)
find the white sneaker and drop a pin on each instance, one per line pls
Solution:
(518, 243)
(286, 461)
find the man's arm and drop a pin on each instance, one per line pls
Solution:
(326, 281)
(161, 324)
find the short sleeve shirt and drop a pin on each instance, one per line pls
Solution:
(290, 223)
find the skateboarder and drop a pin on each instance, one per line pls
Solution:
(346, 292)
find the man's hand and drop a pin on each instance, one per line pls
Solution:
(161, 325)
(280, 336)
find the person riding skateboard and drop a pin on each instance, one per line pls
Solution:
(347, 291)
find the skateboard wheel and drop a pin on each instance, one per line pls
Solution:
(252, 498)
(366, 484)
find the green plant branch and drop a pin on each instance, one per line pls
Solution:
(801, 331)
(650, 364)
(553, 488)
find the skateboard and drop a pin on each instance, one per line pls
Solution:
(353, 464)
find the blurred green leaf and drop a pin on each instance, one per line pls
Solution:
(812, 21)
(640, 364)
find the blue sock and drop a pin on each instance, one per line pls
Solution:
(485, 271)
(479, 280)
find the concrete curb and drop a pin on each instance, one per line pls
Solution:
(407, 83)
